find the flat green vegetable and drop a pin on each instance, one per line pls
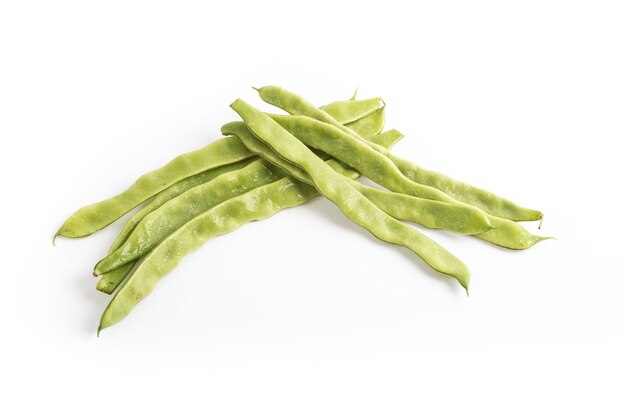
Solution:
(353, 204)
(256, 204)
(433, 214)
(267, 163)
(178, 211)
(348, 111)
(485, 200)
(375, 164)
(368, 114)
(94, 217)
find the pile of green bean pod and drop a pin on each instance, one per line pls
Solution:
(269, 162)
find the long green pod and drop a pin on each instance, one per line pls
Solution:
(386, 139)
(459, 218)
(367, 117)
(352, 203)
(174, 191)
(178, 211)
(330, 140)
(89, 219)
(110, 280)
(348, 110)
(279, 195)
(510, 235)
(175, 212)
(94, 217)
(298, 105)
(467, 193)
(371, 125)
(356, 154)
(485, 200)
(428, 213)
(504, 233)
(257, 204)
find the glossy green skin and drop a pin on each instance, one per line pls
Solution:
(178, 211)
(110, 280)
(352, 203)
(297, 105)
(257, 204)
(91, 218)
(367, 119)
(433, 214)
(366, 128)
(386, 139)
(348, 110)
(94, 217)
(356, 154)
(510, 235)
(376, 165)
(428, 213)
(485, 200)
(284, 193)
(161, 222)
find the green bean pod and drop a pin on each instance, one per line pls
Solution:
(348, 111)
(178, 211)
(386, 139)
(354, 205)
(371, 125)
(461, 191)
(485, 200)
(279, 195)
(367, 117)
(91, 218)
(510, 235)
(94, 217)
(297, 105)
(459, 218)
(256, 204)
(347, 149)
(174, 191)
(110, 280)
(356, 154)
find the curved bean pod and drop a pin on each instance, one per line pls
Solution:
(354, 205)
(485, 200)
(257, 204)
(346, 111)
(282, 194)
(174, 191)
(371, 125)
(178, 211)
(89, 219)
(110, 280)
(386, 139)
(459, 218)
(368, 116)
(319, 135)
(297, 105)
(461, 191)
(357, 154)
(510, 235)
(94, 217)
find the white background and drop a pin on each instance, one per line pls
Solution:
(305, 314)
